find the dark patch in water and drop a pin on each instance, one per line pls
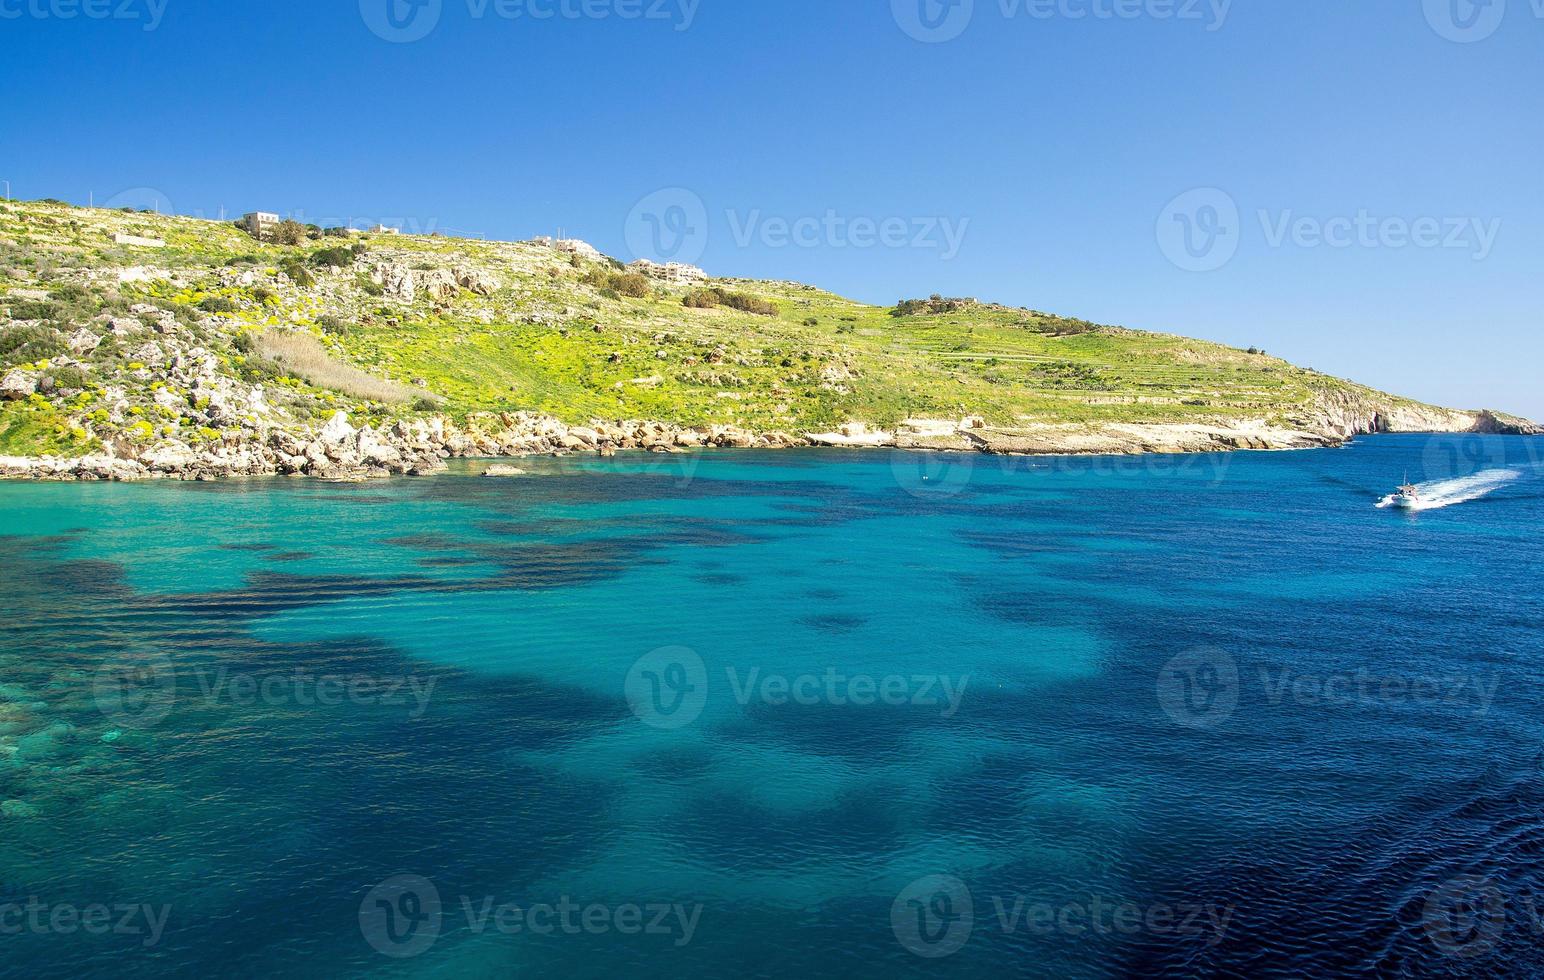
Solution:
(833, 623)
(719, 579)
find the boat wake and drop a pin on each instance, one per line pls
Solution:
(1445, 493)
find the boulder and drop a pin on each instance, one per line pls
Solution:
(476, 281)
(502, 469)
(337, 431)
(18, 384)
(436, 283)
(83, 341)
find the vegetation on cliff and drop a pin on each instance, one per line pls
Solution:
(213, 336)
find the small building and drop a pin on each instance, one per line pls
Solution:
(575, 246)
(677, 273)
(260, 224)
(385, 230)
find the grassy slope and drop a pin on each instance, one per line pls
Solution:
(533, 344)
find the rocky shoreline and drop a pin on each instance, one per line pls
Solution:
(341, 451)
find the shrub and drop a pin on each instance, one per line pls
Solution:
(298, 273)
(244, 343)
(701, 299)
(338, 256)
(332, 325)
(746, 303)
(32, 309)
(69, 377)
(289, 232)
(813, 321)
(335, 232)
(608, 293)
(33, 342)
(631, 284)
(218, 304)
(934, 305)
(263, 294)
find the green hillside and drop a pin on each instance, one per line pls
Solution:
(326, 324)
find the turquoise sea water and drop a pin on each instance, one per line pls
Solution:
(773, 714)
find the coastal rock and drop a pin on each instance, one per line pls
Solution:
(337, 431)
(18, 384)
(503, 470)
(852, 435)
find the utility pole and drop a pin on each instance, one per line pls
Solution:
(7, 189)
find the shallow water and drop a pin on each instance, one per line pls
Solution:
(761, 714)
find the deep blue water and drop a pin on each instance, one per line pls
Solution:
(780, 714)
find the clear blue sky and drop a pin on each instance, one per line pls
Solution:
(1057, 142)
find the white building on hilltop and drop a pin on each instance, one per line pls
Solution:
(260, 224)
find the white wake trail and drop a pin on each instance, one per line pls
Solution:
(1445, 493)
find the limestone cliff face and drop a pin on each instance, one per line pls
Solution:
(1347, 413)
